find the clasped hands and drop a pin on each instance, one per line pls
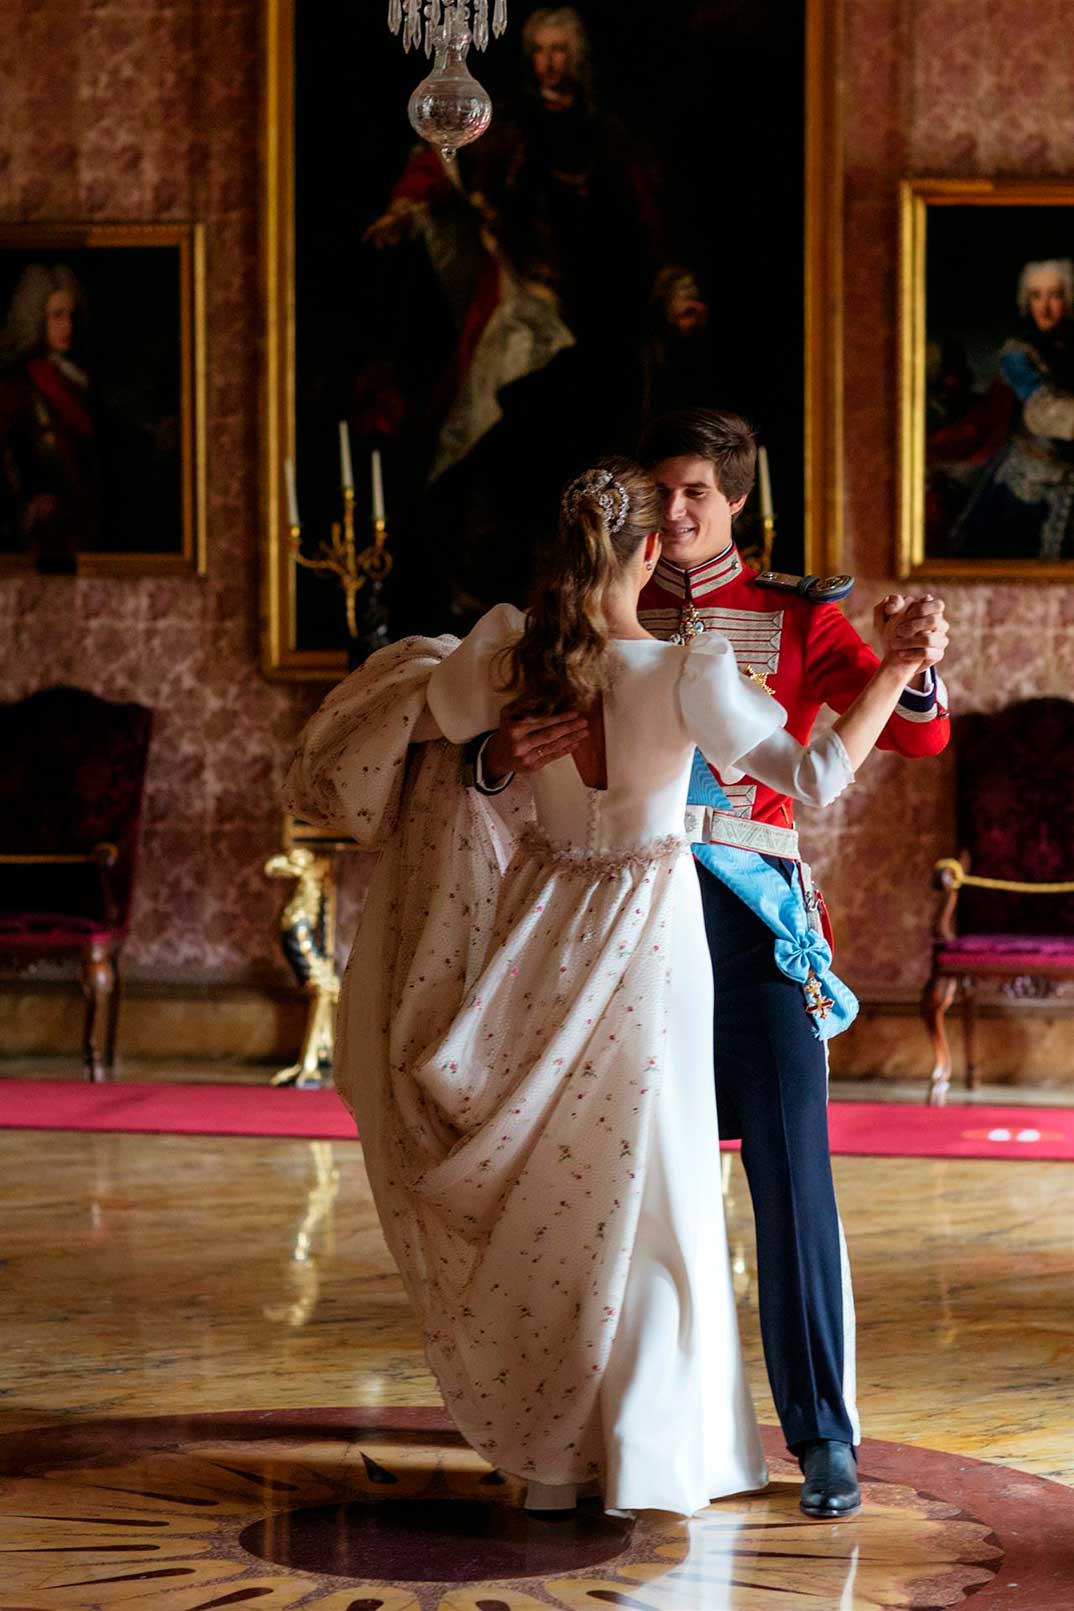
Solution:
(912, 629)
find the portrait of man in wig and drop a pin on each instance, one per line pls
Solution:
(90, 404)
(1001, 460)
(49, 460)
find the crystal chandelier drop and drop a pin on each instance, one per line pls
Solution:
(449, 108)
(407, 14)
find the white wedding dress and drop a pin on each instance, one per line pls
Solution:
(547, 1168)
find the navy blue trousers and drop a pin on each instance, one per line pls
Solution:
(771, 1090)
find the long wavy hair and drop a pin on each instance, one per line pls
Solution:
(558, 663)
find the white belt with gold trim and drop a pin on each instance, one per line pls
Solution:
(706, 825)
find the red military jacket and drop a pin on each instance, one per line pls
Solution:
(807, 655)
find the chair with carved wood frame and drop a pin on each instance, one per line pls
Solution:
(71, 790)
(1011, 887)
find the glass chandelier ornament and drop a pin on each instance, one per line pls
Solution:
(449, 108)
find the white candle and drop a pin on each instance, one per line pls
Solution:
(292, 495)
(378, 486)
(346, 470)
(766, 484)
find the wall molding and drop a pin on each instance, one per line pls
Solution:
(1023, 1042)
(1019, 1042)
(246, 1023)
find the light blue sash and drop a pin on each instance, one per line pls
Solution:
(800, 952)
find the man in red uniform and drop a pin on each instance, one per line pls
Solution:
(771, 1070)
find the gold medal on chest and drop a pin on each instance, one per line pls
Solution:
(690, 625)
(759, 677)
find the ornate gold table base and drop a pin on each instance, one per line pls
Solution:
(308, 938)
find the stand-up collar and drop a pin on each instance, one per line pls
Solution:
(699, 579)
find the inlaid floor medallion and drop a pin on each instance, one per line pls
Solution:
(341, 1510)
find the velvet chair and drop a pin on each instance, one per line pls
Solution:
(72, 775)
(1007, 908)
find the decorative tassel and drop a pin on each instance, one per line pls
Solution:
(499, 18)
(395, 15)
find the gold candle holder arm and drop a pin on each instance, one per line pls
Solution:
(340, 557)
(375, 562)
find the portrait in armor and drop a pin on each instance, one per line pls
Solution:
(96, 403)
(996, 422)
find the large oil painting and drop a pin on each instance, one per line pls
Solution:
(630, 236)
(988, 379)
(101, 468)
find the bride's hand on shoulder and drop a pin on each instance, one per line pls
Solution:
(530, 744)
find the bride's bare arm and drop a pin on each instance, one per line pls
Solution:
(861, 725)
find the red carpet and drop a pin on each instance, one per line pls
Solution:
(876, 1129)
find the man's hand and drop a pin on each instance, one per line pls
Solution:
(912, 628)
(530, 744)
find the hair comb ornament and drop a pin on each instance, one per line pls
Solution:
(601, 487)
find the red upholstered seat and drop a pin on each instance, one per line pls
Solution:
(1010, 952)
(71, 789)
(47, 931)
(1014, 802)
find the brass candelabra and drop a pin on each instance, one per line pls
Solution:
(339, 556)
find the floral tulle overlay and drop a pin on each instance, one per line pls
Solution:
(350, 766)
(515, 1007)
(547, 1077)
(511, 1111)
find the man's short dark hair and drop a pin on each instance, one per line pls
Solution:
(725, 439)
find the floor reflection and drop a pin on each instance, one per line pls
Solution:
(317, 1221)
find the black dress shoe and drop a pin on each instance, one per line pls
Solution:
(831, 1479)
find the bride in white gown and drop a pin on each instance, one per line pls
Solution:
(545, 1163)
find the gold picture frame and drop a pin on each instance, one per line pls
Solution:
(952, 396)
(178, 377)
(282, 659)
(824, 164)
